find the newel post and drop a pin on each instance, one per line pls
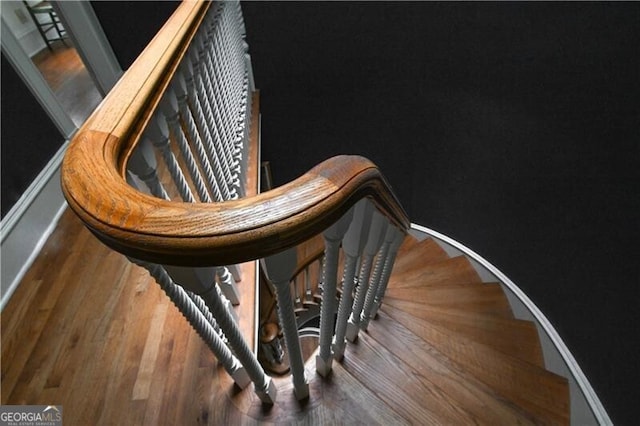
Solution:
(279, 269)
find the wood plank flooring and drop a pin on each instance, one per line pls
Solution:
(90, 331)
(69, 80)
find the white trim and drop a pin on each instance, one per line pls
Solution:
(572, 365)
(28, 224)
(91, 42)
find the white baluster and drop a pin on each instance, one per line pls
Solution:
(376, 276)
(212, 115)
(332, 237)
(200, 319)
(376, 237)
(353, 244)
(386, 272)
(279, 268)
(177, 97)
(208, 129)
(143, 164)
(199, 281)
(206, 144)
(228, 285)
(158, 134)
(169, 108)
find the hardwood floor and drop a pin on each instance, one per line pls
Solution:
(69, 80)
(90, 331)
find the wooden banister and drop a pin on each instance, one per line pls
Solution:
(198, 234)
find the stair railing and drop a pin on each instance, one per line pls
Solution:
(156, 174)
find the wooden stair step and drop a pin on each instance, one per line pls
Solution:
(451, 270)
(488, 298)
(424, 252)
(408, 244)
(407, 391)
(514, 337)
(470, 393)
(540, 392)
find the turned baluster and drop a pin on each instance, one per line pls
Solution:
(332, 237)
(279, 268)
(175, 105)
(169, 111)
(204, 145)
(386, 273)
(376, 276)
(353, 244)
(209, 131)
(200, 319)
(201, 282)
(212, 114)
(158, 134)
(143, 164)
(376, 237)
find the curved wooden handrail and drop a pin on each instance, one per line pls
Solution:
(198, 234)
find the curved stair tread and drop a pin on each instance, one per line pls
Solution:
(540, 392)
(424, 252)
(484, 310)
(475, 396)
(514, 337)
(487, 298)
(443, 272)
(338, 399)
(408, 391)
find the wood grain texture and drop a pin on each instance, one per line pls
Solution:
(198, 234)
(531, 387)
(90, 331)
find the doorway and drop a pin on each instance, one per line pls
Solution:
(41, 35)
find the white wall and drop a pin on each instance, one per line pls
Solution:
(17, 18)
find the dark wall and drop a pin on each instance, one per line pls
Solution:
(511, 127)
(130, 25)
(29, 137)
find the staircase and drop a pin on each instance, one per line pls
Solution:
(444, 349)
(169, 180)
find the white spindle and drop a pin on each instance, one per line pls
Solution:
(376, 236)
(176, 99)
(208, 130)
(200, 319)
(386, 272)
(279, 268)
(212, 114)
(228, 285)
(353, 244)
(332, 237)
(169, 108)
(214, 169)
(158, 134)
(376, 276)
(144, 165)
(199, 281)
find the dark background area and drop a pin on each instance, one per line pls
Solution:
(29, 137)
(511, 127)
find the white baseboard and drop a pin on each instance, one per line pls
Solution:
(25, 229)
